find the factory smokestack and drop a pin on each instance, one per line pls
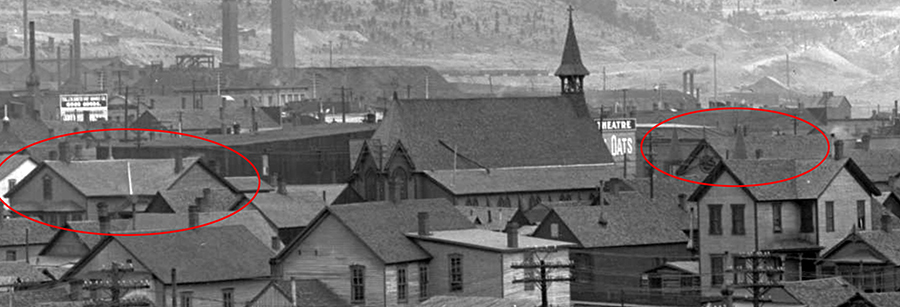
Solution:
(73, 84)
(25, 27)
(33, 83)
(282, 19)
(230, 44)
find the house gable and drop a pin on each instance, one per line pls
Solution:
(198, 176)
(545, 229)
(65, 244)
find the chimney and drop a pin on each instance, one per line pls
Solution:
(184, 102)
(682, 201)
(684, 87)
(254, 125)
(691, 75)
(230, 42)
(222, 117)
(33, 82)
(194, 213)
(103, 217)
(599, 200)
(77, 154)
(282, 19)
(886, 223)
(866, 140)
(276, 243)
(281, 188)
(895, 112)
(759, 153)
(53, 155)
(207, 199)
(827, 95)
(64, 151)
(6, 125)
(273, 180)
(614, 188)
(423, 224)
(838, 150)
(512, 235)
(179, 161)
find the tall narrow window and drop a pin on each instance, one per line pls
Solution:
(806, 217)
(357, 284)
(715, 219)
(584, 265)
(456, 273)
(48, 188)
(861, 214)
(399, 184)
(554, 230)
(228, 297)
(401, 285)
(776, 217)
(371, 183)
(187, 299)
(737, 219)
(829, 216)
(717, 263)
(423, 282)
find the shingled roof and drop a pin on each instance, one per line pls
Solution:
(571, 59)
(234, 251)
(13, 163)
(310, 293)
(820, 292)
(249, 184)
(809, 186)
(14, 229)
(251, 219)
(522, 179)
(287, 212)
(494, 132)
(179, 200)
(382, 225)
(887, 244)
(757, 122)
(197, 119)
(628, 219)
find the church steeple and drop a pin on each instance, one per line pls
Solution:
(571, 71)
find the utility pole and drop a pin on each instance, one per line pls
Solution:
(624, 102)
(125, 132)
(117, 287)
(544, 279)
(759, 272)
(715, 78)
(652, 173)
(604, 78)
(343, 107)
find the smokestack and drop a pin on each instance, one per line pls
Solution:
(33, 82)
(25, 36)
(282, 18)
(512, 235)
(423, 224)
(76, 55)
(230, 42)
(684, 88)
(194, 213)
(838, 149)
(691, 74)
(103, 217)
(895, 112)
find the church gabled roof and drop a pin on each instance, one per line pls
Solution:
(571, 60)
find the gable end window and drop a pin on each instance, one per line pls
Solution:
(228, 297)
(861, 214)
(737, 220)
(48, 187)
(829, 216)
(357, 284)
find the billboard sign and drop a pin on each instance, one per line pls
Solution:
(73, 107)
(619, 134)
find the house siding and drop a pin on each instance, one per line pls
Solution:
(726, 242)
(33, 190)
(481, 271)
(271, 298)
(616, 271)
(844, 190)
(327, 254)
(33, 250)
(68, 244)
(557, 295)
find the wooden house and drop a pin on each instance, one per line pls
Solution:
(194, 260)
(60, 191)
(296, 292)
(797, 218)
(22, 239)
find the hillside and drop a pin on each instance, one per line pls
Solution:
(846, 49)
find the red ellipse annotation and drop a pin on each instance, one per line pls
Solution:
(736, 185)
(258, 177)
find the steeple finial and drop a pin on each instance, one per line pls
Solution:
(571, 71)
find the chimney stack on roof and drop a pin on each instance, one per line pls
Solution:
(179, 161)
(273, 179)
(64, 156)
(512, 235)
(194, 213)
(423, 224)
(281, 188)
(838, 150)
(103, 217)
(276, 243)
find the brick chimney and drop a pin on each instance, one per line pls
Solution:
(866, 140)
(103, 217)
(194, 213)
(838, 150)
(423, 224)
(179, 161)
(512, 235)
(886, 223)
(281, 188)
(207, 199)
(276, 243)
(63, 148)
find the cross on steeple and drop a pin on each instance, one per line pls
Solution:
(570, 9)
